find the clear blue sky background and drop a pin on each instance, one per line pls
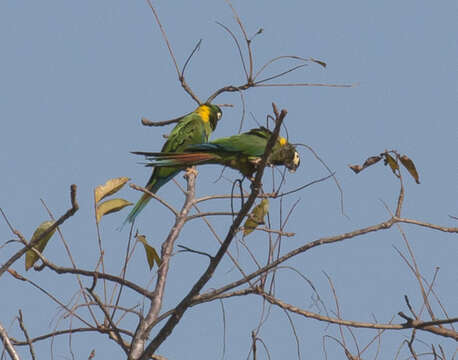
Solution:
(76, 77)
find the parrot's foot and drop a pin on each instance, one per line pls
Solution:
(191, 171)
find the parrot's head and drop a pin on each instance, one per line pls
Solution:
(215, 115)
(285, 154)
(292, 158)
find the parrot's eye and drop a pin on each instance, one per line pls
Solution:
(218, 115)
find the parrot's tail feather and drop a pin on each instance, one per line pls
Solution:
(154, 184)
(139, 206)
(183, 159)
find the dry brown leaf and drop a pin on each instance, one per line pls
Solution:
(109, 188)
(355, 168)
(390, 161)
(371, 161)
(410, 166)
(151, 253)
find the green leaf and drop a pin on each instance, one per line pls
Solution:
(30, 256)
(111, 187)
(151, 253)
(110, 206)
(256, 217)
(410, 166)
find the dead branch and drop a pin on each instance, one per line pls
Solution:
(7, 344)
(26, 335)
(70, 212)
(181, 78)
(144, 327)
(53, 334)
(154, 196)
(185, 303)
(429, 326)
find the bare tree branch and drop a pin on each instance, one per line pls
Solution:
(7, 344)
(429, 326)
(26, 335)
(143, 329)
(185, 303)
(70, 212)
(180, 75)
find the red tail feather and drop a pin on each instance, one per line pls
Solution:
(191, 158)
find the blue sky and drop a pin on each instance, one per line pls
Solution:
(76, 77)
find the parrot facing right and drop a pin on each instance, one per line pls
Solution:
(194, 128)
(242, 152)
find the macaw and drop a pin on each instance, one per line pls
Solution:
(242, 152)
(194, 128)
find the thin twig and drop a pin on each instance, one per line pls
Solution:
(308, 84)
(196, 48)
(53, 334)
(238, 47)
(113, 278)
(70, 212)
(429, 326)
(69, 254)
(113, 328)
(248, 42)
(210, 213)
(280, 74)
(26, 335)
(146, 122)
(154, 196)
(315, 154)
(51, 296)
(164, 36)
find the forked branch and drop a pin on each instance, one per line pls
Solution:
(206, 276)
(70, 212)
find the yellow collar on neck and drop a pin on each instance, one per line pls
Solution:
(204, 112)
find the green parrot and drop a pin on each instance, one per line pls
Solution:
(242, 152)
(194, 128)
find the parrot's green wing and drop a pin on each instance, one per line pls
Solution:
(252, 143)
(241, 152)
(194, 128)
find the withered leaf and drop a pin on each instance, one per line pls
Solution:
(355, 168)
(390, 161)
(111, 187)
(410, 166)
(371, 161)
(151, 253)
